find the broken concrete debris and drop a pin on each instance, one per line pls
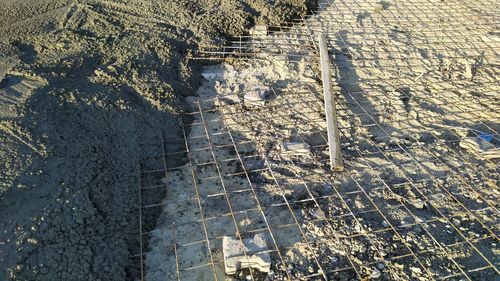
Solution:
(481, 146)
(252, 254)
(258, 30)
(318, 213)
(296, 148)
(417, 203)
(416, 270)
(258, 96)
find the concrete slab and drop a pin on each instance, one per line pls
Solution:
(296, 148)
(253, 254)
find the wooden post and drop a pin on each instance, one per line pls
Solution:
(336, 161)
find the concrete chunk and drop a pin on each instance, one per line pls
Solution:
(480, 147)
(296, 148)
(258, 30)
(256, 97)
(253, 254)
(417, 203)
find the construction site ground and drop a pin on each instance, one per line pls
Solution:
(412, 81)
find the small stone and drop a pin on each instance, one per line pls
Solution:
(385, 224)
(398, 265)
(375, 274)
(357, 228)
(380, 266)
(320, 214)
(296, 148)
(379, 7)
(323, 248)
(99, 72)
(417, 203)
(245, 222)
(362, 249)
(416, 270)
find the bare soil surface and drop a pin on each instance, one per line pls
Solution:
(84, 84)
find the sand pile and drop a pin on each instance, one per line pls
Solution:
(83, 85)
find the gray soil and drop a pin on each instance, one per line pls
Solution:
(84, 84)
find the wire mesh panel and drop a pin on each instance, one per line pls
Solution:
(414, 80)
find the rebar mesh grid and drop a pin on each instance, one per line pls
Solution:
(401, 210)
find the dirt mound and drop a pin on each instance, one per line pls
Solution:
(93, 81)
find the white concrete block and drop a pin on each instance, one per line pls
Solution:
(253, 254)
(258, 96)
(296, 148)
